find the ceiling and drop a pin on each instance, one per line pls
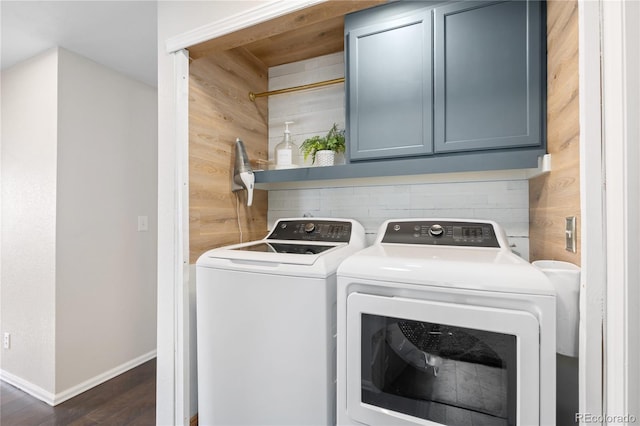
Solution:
(121, 35)
(307, 33)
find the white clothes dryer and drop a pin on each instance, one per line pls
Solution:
(439, 323)
(266, 325)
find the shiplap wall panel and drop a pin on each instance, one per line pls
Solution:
(220, 111)
(555, 196)
(313, 111)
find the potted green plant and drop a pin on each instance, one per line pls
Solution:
(324, 148)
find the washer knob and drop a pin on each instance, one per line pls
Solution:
(309, 227)
(436, 230)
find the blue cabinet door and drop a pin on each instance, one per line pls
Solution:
(389, 86)
(489, 76)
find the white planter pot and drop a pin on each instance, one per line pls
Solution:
(325, 157)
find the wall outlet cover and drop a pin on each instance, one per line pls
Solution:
(570, 234)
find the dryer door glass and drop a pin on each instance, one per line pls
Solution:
(439, 372)
(416, 361)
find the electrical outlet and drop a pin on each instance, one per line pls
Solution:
(570, 234)
(6, 340)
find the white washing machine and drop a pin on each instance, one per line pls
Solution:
(266, 325)
(439, 323)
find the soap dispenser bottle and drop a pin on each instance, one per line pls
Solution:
(286, 154)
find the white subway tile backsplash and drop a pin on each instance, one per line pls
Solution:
(454, 213)
(514, 215)
(453, 199)
(520, 246)
(378, 215)
(510, 198)
(384, 190)
(372, 205)
(345, 202)
(392, 200)
(517, 184)
(351, 213)
(338, 191)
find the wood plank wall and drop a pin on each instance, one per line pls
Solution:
(220, 111)
(557, 195)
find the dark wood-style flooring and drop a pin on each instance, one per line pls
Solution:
(128, 399)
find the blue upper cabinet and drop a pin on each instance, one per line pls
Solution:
(442, 78)
(488, 75)
(389, 85)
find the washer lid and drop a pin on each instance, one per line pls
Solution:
(273, 247)
(293, 246)
(271, 251)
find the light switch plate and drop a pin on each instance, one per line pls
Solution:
(570, 234)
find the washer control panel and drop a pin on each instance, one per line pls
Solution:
(312, 230)
(445, 233)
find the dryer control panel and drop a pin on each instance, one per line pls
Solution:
(444, 233)
(312, 230)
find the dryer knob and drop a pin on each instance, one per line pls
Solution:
(436, 230)
(309, 227)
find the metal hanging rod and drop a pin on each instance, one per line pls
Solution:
(253, 96)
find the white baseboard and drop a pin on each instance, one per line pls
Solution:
(55, 399)
(28, 387)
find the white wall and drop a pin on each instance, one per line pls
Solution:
(78, 279)
(29, 167)
(106, 269)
